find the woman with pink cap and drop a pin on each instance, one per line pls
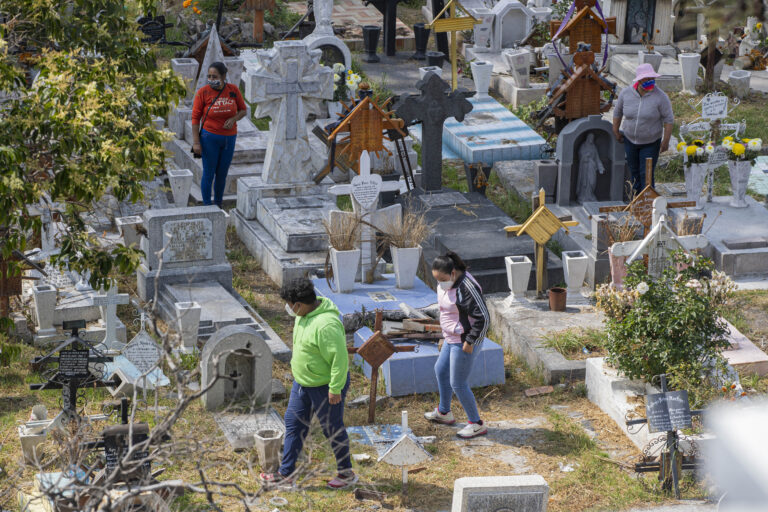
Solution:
(647, 127)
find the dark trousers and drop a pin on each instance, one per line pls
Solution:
(218, 151)
(636, 155)
(303, 403)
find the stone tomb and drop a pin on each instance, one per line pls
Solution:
(185, 261)
(578, 153)
(182, 246)
(520, 493)
(241, 359)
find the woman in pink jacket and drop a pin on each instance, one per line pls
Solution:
(464, 320)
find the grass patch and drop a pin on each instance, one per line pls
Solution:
(509, 202)
(571, 342)
(453, 175)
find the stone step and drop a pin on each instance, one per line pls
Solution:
(296, 223)
(184, 159)
(280, 266)
(247, 151)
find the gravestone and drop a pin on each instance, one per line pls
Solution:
(289, 84)
(432, 107)
(183, 245)
(610, 185)
(242, 359)
(323, 38)
(521, 493)
(667, 411)
(118, 440)
(108, 305)
(512, 22)
(187, 69)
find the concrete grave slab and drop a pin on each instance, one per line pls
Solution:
(523, 326)
(240, 428)
(406, 373)
(523, 493)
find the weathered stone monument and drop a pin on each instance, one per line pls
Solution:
(186, 262)
(288, 84)
(521, 493)
(236, 361)
(323, 37)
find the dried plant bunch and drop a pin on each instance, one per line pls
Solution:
(624, 230)
(409, 231)
(342, 231)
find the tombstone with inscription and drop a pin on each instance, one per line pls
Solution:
(185, 261)
(137, 366)
(235, 362)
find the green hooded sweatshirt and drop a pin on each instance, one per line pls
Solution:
(320, 348)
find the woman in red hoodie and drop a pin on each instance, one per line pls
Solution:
(464, 320)
(218, 106)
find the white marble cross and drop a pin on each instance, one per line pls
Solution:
(364, 190)
(287, 84)
(660, 242)
(108, 305)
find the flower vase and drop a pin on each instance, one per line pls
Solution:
(689, 66)
(653, 58)
(694, 181)
(518, 276)
(405, 260)
(335, 108)
(739, 171)
(344, 265)
(618, 269)
(481, 75)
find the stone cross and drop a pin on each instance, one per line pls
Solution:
(659, 243)
(432, 107)
(364, 191)
(287, 84)
(108, 305)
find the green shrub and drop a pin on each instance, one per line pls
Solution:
(670, 323)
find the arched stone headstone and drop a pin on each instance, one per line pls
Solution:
(238, 352)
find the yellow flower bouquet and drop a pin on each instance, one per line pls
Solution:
(742, 149)
(695, 152)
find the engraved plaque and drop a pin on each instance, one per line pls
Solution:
(73, 363)
(187, 240)
(143, 352)
(365, 190)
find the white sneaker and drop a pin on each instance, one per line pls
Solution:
(438, 417)
(472, 430)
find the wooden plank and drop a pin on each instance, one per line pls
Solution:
(453, 24)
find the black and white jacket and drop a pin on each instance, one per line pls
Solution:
(473, 313)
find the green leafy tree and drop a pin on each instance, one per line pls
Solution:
(79, 90)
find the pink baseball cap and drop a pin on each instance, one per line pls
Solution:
(645, 71)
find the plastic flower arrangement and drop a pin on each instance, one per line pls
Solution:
(344, 83)
(742, 149)
(695, 152)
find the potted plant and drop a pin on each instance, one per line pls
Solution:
(741, 157)
(404, 237)
(696, 165)
(670, 324)
(624, 230)
(649, 55)
(344, 256)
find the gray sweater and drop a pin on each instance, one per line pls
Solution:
(644, 116)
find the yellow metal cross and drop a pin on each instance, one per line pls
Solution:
(540, 226)
(453, 24)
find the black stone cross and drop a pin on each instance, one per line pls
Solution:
(432, 107)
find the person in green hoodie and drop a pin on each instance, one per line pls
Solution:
(320, 367)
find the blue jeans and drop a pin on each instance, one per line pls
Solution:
(303, 403)
(217, 155)
(452, 370)
(636, 155)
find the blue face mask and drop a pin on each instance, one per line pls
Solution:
(649, 85)
(216, 84)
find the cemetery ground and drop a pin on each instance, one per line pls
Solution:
(582, 454)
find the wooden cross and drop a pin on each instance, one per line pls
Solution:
(540, 226)
(453, 24)
(641, 206)
(258, 7)
(375, 351)
(364, 191)
(659, 243)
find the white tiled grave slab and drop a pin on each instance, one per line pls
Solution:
(489, 133)
(239, 428)
(218, 309)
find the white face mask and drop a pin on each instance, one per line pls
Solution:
(289, 310)
(445, 285)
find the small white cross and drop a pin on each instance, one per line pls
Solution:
(108, 305)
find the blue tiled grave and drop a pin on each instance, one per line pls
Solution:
(406, 373)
